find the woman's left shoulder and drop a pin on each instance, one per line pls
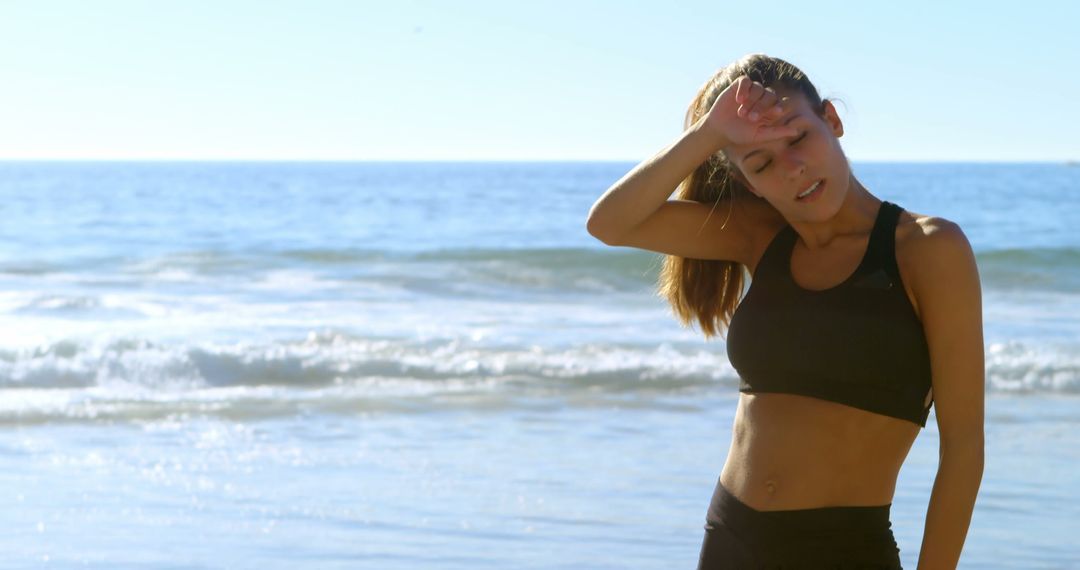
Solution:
(928, 234)
(930, 239)
(932, 252)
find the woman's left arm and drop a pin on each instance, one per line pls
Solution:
(949, 295)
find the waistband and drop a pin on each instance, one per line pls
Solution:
(867, 521)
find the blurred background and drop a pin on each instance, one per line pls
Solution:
(292, 284)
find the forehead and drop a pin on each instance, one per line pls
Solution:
(794, 108)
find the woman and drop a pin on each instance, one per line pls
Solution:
(860, 316)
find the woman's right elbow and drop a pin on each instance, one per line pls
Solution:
(599, 231)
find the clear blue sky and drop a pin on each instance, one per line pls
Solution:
(505, 80)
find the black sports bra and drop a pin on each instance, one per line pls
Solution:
(859, 343)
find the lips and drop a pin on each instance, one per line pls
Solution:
(820, 184)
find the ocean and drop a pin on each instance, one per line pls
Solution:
(433, 365)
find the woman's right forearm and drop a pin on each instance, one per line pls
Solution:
(638, 194)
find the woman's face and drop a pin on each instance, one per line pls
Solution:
(779, 170)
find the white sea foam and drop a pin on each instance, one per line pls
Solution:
(330, 370)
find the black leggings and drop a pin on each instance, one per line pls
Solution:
(739, 537)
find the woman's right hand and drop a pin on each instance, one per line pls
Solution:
(744, 114)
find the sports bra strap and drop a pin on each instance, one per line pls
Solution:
(881, 252)
(883, 239)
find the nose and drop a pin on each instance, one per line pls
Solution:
(794, 166)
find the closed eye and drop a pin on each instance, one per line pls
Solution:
(768, 162)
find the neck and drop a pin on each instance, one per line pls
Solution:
(854, 218)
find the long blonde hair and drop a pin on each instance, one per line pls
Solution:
(708, 290)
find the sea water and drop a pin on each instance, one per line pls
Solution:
(433, 365)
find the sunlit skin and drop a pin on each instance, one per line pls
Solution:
(795, 452)
(790, 451)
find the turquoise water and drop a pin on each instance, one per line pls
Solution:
(402, 365)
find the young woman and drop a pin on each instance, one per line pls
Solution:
(859, 317)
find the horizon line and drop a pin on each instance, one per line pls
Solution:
(1065, 161)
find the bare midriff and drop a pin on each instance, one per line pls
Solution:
(796, 452)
